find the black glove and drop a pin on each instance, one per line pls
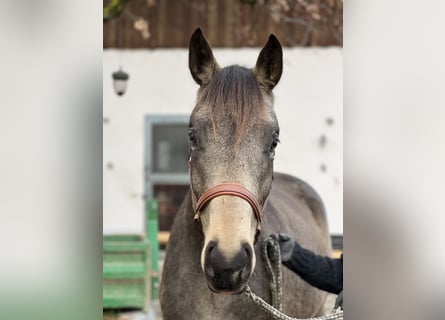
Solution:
(287, 245)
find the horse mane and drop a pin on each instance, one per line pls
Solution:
(235, 95)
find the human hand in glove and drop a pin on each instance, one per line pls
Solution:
(287, 245)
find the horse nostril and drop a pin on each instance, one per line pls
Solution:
(247, 250)
(208, 268)
(210, 247)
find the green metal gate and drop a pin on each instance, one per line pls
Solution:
(130, 266)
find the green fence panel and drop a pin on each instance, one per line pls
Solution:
(152, 236)
(130, 266)
(126, 272)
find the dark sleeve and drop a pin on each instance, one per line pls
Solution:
(322, 272)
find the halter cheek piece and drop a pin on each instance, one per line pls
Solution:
(226, 189)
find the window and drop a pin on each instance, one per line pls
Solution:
(166, 173)
(170, 148)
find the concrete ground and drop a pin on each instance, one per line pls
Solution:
(155, 312)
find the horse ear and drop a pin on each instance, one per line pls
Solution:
(269, 65)
(202, 64)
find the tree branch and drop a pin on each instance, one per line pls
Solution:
(114, 9)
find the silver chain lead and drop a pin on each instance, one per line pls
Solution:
(275, 286)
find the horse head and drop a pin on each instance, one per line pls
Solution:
(233, 136)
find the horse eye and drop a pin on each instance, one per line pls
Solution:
(273, 145)
(193, 140)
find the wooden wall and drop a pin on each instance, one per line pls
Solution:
(226, 23)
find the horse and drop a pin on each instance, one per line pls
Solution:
(235, 198)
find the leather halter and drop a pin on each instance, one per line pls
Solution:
(225, 189)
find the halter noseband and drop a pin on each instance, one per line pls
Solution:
(226, 189)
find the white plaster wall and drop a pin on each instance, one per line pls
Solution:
(310, 90)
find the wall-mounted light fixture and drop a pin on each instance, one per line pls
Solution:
(120, 79)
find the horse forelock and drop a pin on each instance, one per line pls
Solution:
(233, 95)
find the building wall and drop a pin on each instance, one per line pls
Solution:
(308, 103)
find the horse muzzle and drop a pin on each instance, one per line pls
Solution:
(227, 275)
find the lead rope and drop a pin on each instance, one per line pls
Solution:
(273, 260)
(275, 286)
